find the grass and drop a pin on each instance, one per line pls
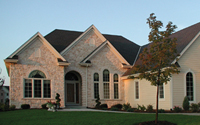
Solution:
(40, 116)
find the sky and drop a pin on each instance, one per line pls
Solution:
(21, 19)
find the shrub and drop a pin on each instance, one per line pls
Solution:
(194, 107)
(12, 107)
(119, 106)
(44, 106)
(58, 99)
(186, 104)
(142, 108)
(25, 106)
(149, 108)
(161, 111)
(98, 103)
(130, 110)
(199, 104)
(126, 106)
(177, 109)
(114, 109)
(4, 107)
(103, 106)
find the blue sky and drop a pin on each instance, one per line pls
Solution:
(21, 19)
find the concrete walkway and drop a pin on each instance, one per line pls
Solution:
(96, 110)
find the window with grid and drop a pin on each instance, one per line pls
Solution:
(136, 90)
(189, 86)
(161, 91)
(96, 85)
(36, 86)
(106, 80)
(116, 90)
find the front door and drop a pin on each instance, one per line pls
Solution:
(72, 93)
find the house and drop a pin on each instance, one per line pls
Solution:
(82, 65)
(4, 93)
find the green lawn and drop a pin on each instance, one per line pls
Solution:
(40, 116)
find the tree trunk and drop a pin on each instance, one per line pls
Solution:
(156, 120)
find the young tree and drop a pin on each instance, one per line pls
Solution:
(156, 59)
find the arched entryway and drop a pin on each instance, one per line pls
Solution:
(72, 88)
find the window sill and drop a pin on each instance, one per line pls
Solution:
(108, 99)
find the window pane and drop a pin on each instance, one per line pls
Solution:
(28, 88)
(116, 93)
(96, 77)
(47, 89)
(136, 90)
(115, 78)
(161, 91)
(189, 86)
(106, 75)
(106, 90)
(37, 88)
(96, 90)
(37, 74)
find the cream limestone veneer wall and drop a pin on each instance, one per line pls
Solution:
(104, 59)
(147, 94)
(189, 62)
(47, 63)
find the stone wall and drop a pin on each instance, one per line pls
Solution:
(35, 57)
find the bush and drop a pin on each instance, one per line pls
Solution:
(149, 108)
(119, 106)
(114, 109)
(130, 110)
(12, 107)
(126, 106)
(142, 108)
(4, 107)
(58, 99)
(177, 109)
(44, 106)
(103, 106)
(199, 104)
(194, 107)
(25, 106)
(186, 104)
(161, 111)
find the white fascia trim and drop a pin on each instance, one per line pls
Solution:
(137, 56)
(121, 58)
(95, 51)
(43, 40)
(91, 28)
(63, 64)
(186, 48)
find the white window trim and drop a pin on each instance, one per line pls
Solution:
(162, 99)
(194, 85)
(135, 90)
(42, 88)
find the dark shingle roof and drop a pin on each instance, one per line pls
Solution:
(184, 37)
(60, 39)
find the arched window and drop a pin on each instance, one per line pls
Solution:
(106, 80)
(116, 93)
(96, 85)
(189, 86)
(37, 86)
(71, 76)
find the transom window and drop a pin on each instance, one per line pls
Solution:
(116, 93)
(37, 86)
(96, 85)
(106, 85)
(189, 86)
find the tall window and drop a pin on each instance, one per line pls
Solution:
(116, 93)
(189, 86)
(37, 86)
(96, 85)
(136, 90)
(161, 91)
(106, 85)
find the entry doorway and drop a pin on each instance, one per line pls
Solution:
(72, 88)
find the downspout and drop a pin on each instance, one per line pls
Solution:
(86, 83)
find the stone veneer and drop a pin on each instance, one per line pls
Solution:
(47, 63)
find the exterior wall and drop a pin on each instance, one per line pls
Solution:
(147, 94)
(105, 59)
(47, 63)
(189, 62)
